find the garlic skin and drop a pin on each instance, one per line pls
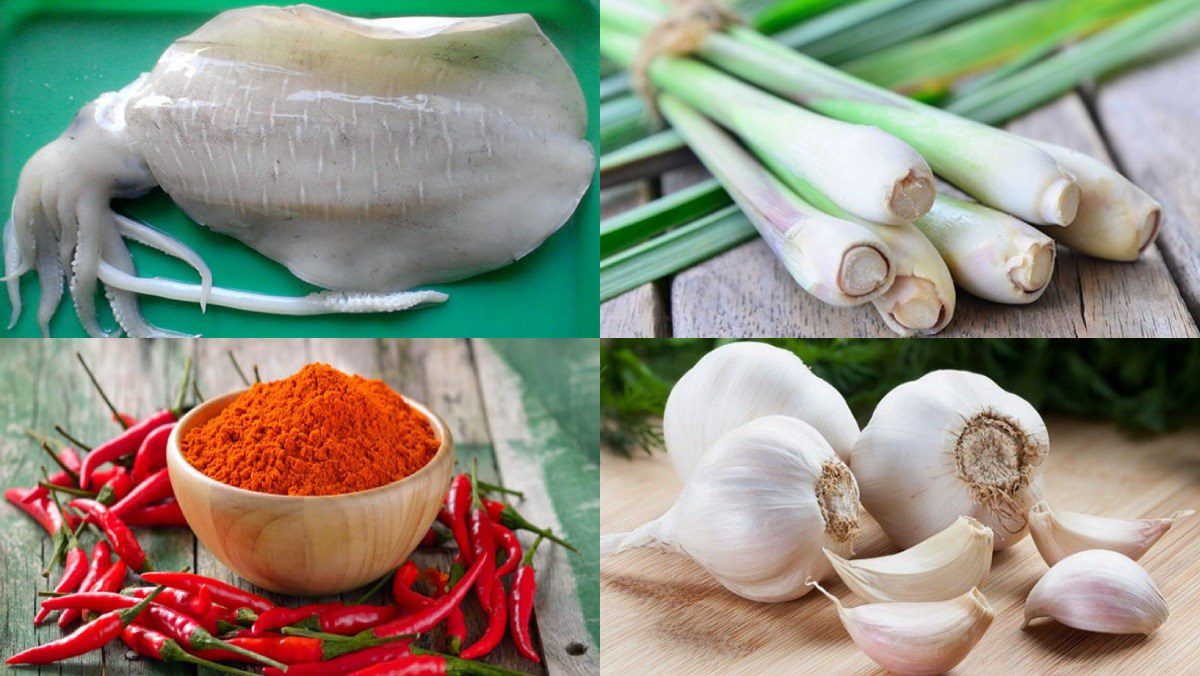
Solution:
(917, 638)
(951, 444)
(739, 382)
(941, 568)
(758, 510)
(1061, 534)
(1098, 590)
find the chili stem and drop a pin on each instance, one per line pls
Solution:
(107, 402)
(49, 449)
(238, 367)
(196, 391)
(187, 375)
(374, 588)
(257, 377)
(497, 488)
(74, 442)
(55, 488)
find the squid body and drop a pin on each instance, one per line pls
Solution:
(367, 156)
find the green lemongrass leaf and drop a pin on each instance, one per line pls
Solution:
(786, 13)
(992, 40)
(656, 217)
(624, 120)
(1167, 25)
(613, 86)
(647, 157)
(677, 250)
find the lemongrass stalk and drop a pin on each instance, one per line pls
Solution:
(991, 40)
(645, 158)
(786, 13)
(614, 86)
(1117, 220)
(624, 120)
(990, 254)
(839, 262)
(676, 250)
(654, 217)
(864, 170)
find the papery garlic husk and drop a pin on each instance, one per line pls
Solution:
(917, 638)
(951, 444)
(757, 511)
(1061, 534)
(1098, 590)
(739, 382)
(945, 566)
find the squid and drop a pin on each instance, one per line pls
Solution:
(368, 156)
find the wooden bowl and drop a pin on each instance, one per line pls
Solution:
(309, 545)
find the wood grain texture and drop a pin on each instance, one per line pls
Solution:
(640, 312)
(660, 612)
(42, 385)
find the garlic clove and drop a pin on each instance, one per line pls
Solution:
(1098, 590)
(917, 638)
(1061, 534)
(942, 567)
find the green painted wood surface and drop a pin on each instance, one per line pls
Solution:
(41, 385)
(57, 55)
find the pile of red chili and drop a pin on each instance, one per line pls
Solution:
(186, 617)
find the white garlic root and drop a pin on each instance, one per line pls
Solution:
(739, 382)
(941, 568)
(1098, 590)
(951, 444)
(917, 638)
(1061, 534)
(757, 511)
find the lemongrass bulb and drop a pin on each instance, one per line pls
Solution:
(990, 254)
(758, 512)
(1117, 220)
(921, 300)
(739, 382)
(951, 444)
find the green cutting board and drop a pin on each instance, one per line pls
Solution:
(57, 55)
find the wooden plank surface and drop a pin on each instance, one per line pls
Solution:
(640, 312)
(42, 386)
(660, 612)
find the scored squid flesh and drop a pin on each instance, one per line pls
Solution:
(368, 156)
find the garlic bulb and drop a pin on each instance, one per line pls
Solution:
(946, 565)
(758, 509)
(739, 382)
(1098, 590)
(917, 638)
(1061, 534)
(951, 444)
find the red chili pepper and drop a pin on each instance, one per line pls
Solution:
(346, 663)
(121, 445)
(111, 579)
(512, 549)
(43, 511)
(402, 591)
(222, 593)
(152, 644)
(153, 489)
(98, 601)
(346, 620)
(85, 639)
(152, 454)
(505, 515)
(434, 537)
(165, 513)
(127, 420)
(99, 562)
(70, 459)
(428, 618)
(118, 485)
(458, 505)
(456, 622)
(282, 617)
(292, 649)
(116, 532)
(483, 548)
(192, 636)
(74, 570)
(211, 620)
(196, 605)
(497, 621)
(432, 665)
(520, 601)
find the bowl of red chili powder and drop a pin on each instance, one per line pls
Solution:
(314, 484)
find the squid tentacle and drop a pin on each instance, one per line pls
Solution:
(50, 278)
(325, 302)
(157, 239)
(125, 304)
(13, 270)
(93, 224)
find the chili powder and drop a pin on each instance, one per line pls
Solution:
(318, 432)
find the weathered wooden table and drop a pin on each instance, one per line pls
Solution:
(1147, 121)
(661, 613)
(527, 410)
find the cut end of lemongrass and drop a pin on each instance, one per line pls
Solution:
(915, 304)
(1060, 202)
(1033, 270)
(912, 196)
(864, 271)
(1150, 228)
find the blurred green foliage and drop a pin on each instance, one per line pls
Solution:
(1144, 386)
